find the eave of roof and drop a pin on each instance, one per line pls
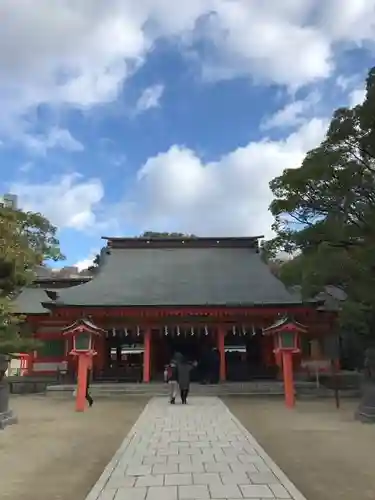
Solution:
(270, 305)
(189, 242)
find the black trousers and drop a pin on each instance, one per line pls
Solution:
(89, 398)
(184, 394)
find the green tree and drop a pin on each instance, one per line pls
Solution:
(27, 239)
(95, 264)
(325, 214)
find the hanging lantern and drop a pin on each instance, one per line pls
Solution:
(126, 332)
(253, 333)
(166, 330)
(234, 330)
(192, 331)
(113, 332)
(178, 331)
(138, 331)
(244, 332)
(205, 330)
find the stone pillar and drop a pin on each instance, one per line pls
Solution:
(147, 356)
(7, 417)
(221, 349)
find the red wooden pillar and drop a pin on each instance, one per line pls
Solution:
(147, 356)
(33, 357)
(221, 349)
(287, 358)
(84, 363)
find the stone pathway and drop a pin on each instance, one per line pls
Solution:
(193, 452)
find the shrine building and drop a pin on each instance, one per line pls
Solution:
(209, 299)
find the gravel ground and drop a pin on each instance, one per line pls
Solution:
(325, 453)
(55, 453)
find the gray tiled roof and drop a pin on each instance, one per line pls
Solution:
(180, 276)
(29, 301)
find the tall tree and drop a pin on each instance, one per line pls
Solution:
(95, 264)
(27, 239)
(325, 212)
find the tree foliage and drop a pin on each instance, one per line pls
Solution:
(155, 234)
(95, 264)
(325, 213)
(27, 239)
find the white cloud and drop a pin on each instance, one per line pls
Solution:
(177, 191)
(267, 42)
(150, 98)
(26, 167)
(68, 202)
(345, 20)
(292, 114)
(55, 138)
(87, 262)
(357, 96)
(353, 87)
(80, 53)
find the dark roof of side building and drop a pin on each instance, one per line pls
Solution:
(30, 299)
(178, 272)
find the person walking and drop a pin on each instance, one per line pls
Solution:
(89, 398)
(173, 381)
(184, 369)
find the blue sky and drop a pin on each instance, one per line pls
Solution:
(125, 117)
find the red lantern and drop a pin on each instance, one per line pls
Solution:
(285, 333)
(82, 332)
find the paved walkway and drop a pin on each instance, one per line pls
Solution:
(198, 451)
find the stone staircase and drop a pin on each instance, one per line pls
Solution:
(255, 388)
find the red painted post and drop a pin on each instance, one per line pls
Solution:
(221, 349)
(147, 356)
(83, 365)
(287, 357)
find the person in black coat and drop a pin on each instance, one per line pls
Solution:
(184, 370)
(89, 398)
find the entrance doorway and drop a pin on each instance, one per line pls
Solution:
(123, 358)
(196, 348)
(245, 357)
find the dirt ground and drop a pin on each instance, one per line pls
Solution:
(55, 453)
(325, 453)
